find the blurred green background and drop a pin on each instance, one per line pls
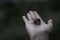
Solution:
(12, 25)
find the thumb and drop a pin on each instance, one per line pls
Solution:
(50, 23)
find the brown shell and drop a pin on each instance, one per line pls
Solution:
(37, 21)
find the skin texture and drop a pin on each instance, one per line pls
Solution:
(37, 32)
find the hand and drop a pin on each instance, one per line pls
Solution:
(34, 29)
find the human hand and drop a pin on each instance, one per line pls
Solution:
(33, 28)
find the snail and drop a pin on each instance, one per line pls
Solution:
(37, 22)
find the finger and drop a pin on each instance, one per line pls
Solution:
(25, 19)
(32, 14)
(37, 16)
(29, 17)
(50, 23)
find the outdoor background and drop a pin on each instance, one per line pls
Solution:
(12, 25)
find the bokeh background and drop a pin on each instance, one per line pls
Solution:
(12, 25)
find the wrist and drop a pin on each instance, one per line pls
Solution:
(40, 36)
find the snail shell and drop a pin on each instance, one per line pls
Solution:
(37, 21)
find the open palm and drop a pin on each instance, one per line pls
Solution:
(34, 29)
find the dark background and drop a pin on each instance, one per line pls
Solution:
(12, 25)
